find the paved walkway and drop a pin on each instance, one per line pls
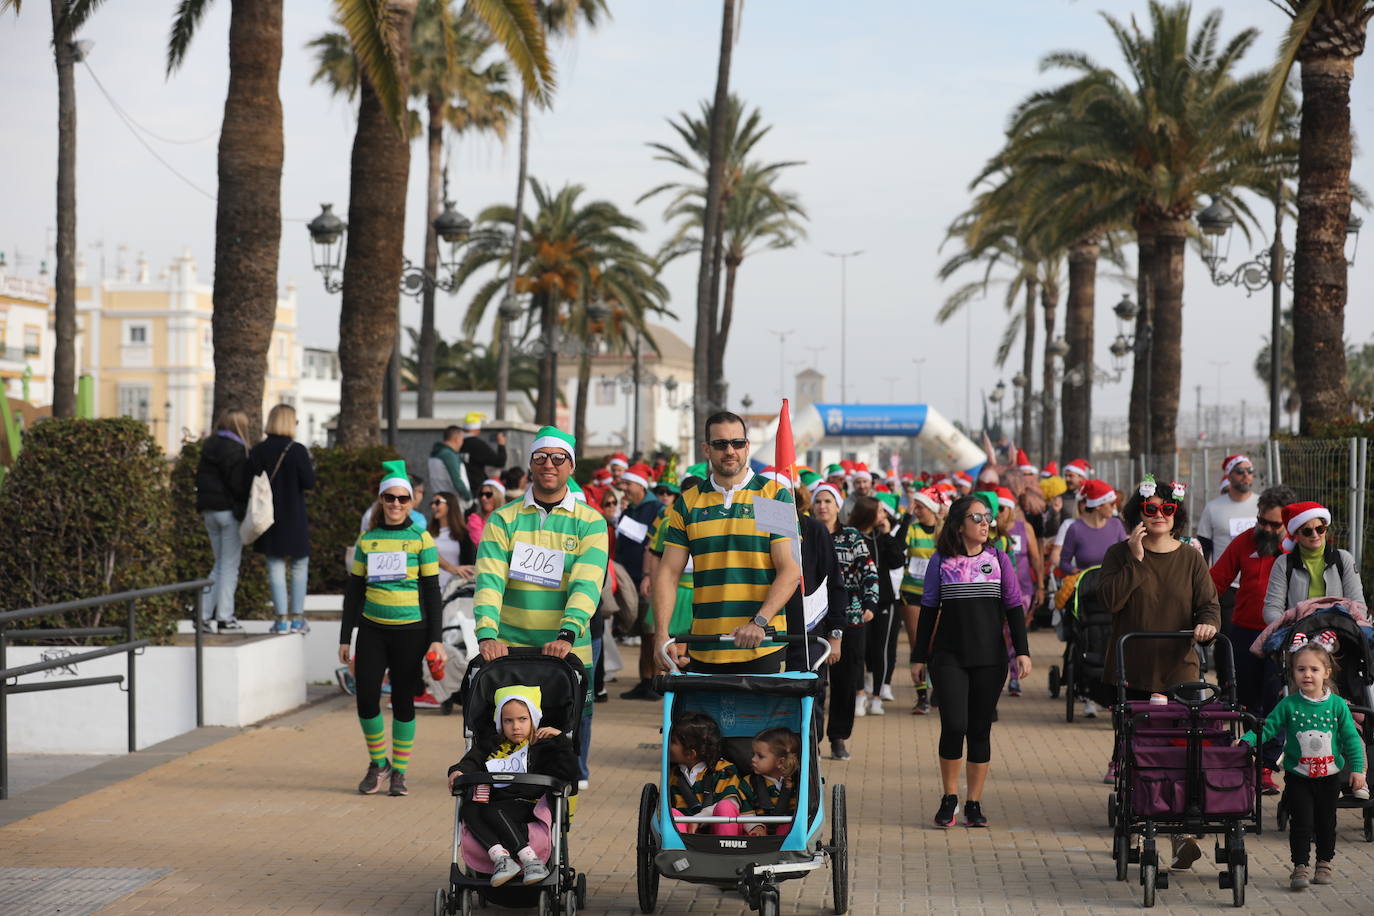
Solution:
(267, 821)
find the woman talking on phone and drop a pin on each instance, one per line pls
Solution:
(393, 600)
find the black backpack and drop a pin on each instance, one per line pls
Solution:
(1294, 560)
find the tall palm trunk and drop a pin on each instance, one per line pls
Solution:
(503, 332)
(546, 409)
(1319, 277)
(1049, 436)
(721, 338)
(1076, 400)
(1166, 353)
(379, 171)
(424, 382)
(64, 306)
(1028, 368)
(1138, 425)
(702, 400)
(584, 382)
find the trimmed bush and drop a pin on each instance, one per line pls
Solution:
(86, 510)
(346, 485)
(194, 559)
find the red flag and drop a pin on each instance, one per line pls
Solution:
(785, 454)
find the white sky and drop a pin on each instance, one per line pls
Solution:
(893, 105)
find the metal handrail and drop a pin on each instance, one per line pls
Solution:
(130, 647)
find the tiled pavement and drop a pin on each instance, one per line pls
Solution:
(268, 822)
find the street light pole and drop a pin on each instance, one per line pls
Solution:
(844, 257)
(1276, 268)
(782, 360)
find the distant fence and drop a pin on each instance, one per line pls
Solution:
(1338, 473)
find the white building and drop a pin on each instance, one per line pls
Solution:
(26, 339)
(317, 393)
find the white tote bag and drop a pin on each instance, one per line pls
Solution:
(260, 515)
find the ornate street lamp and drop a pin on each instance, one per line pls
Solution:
(326, 250)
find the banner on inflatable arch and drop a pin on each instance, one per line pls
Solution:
(942, 441)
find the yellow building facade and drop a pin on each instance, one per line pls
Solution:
(148, 346)
(26, 340)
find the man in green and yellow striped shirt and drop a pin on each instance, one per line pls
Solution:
(541, 562)
(744, 567)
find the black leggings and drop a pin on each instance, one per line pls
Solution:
(500, 822)
(1311, 805)
(968, 705)
(880, 646)
(846, 679)
(382, 648)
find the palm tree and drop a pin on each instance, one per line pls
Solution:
(248, 211)
(456, 91)
(1325, 37)
(556, 18)
(67, 18)
(1288, 386)
(755, 215)
(1180, 124)
(571, 242)
(465, 365)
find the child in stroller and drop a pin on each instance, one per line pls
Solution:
(772, 788)
(702, 781)
(499, 816)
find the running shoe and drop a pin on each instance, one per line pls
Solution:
(949, 807)
(644, 690)
(1110, 777)
(1013, 690)
(426, 701)
(230, 626)
(398, 783)
(300, 625)
(1089, 709)
(838, 751)
(860, 706)
(534, 872)
(583, 785)
(1300, 878)
(503, 869)
(886, 692)
(1267, 784)
(206, 626)
(875, 706)
(921, 708)
(373, 780)
(1322, 873)
(602, 697)
(973, 815)
(1186, 853)
(280, 627)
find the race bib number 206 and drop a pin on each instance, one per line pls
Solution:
(537, 565)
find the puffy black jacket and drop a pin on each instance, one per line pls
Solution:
(222, 477)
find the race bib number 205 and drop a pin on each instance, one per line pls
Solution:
(537, 565)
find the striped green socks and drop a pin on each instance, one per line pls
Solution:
(374, 733)
(402, 739)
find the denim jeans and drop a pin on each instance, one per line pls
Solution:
(276, 579)
(223, 529)
(585, 742)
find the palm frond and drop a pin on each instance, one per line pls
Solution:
(184, 23)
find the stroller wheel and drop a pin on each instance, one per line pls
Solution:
(440, 903)
(839, 840)
(569, 904)
(467, 902)
(768, 902)
(548, 902)
(1054, 682)
(646, 872)
(1111, 810)
(1121, 851)
(580, 889)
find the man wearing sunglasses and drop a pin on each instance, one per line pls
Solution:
(1226, 516)
(743, 572)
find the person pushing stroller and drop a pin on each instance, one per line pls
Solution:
(499, 816)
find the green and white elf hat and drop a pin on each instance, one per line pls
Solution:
(553, 437)
(810, 479)
(889, 501)
(575, 490)
(394, 475)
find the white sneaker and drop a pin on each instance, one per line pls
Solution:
(875, 706)
(534, 872)
(886, 692)
(1089, 709)
(1362, 793)
(868, 682)
(860, 705)
(503, 869)
(583, 784)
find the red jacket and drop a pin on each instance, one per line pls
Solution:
(1240, 557)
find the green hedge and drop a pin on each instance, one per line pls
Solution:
(86, 513)
(346, 484)
(194, 558)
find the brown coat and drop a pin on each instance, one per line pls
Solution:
(1164, 592)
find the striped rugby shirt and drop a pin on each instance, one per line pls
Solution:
(522, 613)
(732, 561)
(398, 602)
(920, 547)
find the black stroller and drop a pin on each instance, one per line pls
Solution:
(1354, 682)
(563, 687)
(1088, 634)
(1179, 772)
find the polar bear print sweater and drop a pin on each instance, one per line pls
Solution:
(1320, 735)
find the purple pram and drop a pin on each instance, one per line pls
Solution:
(1179, 771)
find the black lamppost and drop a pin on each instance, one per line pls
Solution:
(327, 234)
(1267, 268)
(999, 392)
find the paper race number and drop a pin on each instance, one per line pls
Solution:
(537, 565)
(386, 567)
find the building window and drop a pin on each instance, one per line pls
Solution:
(134, 401)
(136, 335)
(33, 338)
(605, 392)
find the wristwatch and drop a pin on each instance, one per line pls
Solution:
(760, 621)
(837, 634)
(568, 636)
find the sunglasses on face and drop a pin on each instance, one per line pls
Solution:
(438, 502)
(487, 494)
(539, 459)
(1313, 532)
(1154, 510)
(1249, 471)
(721, 445)
(1268, 525)
(402, 498)
(979, 518)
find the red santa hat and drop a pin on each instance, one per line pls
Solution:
(602, 477)
(772, 473)
(1005, 498)
(640, 474)
(1225, 484)
(1023, 462)
(1080, 467)
(1050, 470)
(963, 481)
(929, 497)
(1230, 462)
(619, 459)
(1096, 493)
(1299, 514)
(861, 472)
